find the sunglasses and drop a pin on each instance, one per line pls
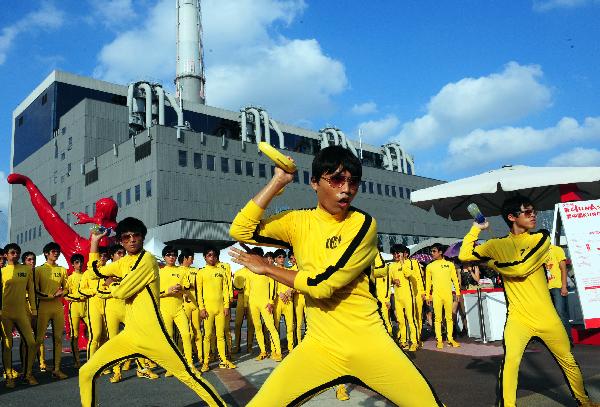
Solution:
(337, 180)
(527, 212)
(129, 236)
(170, 255)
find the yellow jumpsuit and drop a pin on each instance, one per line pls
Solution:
(228, 340)
(241, 282)
(190, 306)
(77, 311)
(404, 300)
(213, 296)
(96, 304)
(171, 307)
(441, 274)
(287, 310)
(15, 282)
(299, 305)
(262, 293)
(520, 261)
(419, 290)
(334, 259)
(383, 288)
(145, 334)
(47, 280)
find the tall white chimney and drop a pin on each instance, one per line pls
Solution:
(189, 80)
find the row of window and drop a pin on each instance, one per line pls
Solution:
(387, 190)
(29, 235)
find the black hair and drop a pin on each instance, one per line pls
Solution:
(103, 250)
(132, 225)
(185, 252)
(257, 250)
(512, 206)
(208, 249)
(269, 254)
(76, 257)
(332, 158)
(399, 248)
(438, 246)
(115, 248)
(50, 246)
(169, 249)
(279, 252)
(25, 255)
(290, 253)
(12, 246)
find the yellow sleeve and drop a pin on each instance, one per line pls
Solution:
(358, 257)
(559, 253)
(272, 290)
(225, 291)
(249, 227)
(381, 268)
(470, 252)
(137, 279)
(419, 278)
(31, 291)
(199, 288)
(110, 269)
(428, 281)
(85, 285)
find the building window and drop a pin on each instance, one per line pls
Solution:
(306, 177)
(296, 177)
(40, 231)
(401, 192)
(142, 151)
(262, 170)
(119, 200)
(35, 229)
(387, 190)
(148, 188)
(210, 162)
(224, 165)
(63, 131)
(363, 186)
(379, 189)
(62, 205)
(44, 98)
(70, 144)
(127, 196)
(394, 191)
(370, 187)
(238, 166)
(62, 156)
(86, 210)
(408, 191)
(91, 176)
(68, 221)
(69, 169)
(68, 193)
(272, 170)
(249, 168)
(182, 158)
(197, 161)
(53, 200)
(138, 193)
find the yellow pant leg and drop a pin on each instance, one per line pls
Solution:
(442, 305)
(385, 313)
(115, 316)
(95, 327)
(51, 311)
(196, 330)
(240, 312)
(215, 325)
(447, 303)
(256, 322)
(516, 338)
(402, 327)
(419, 314)
(228, 339)
(77, 313)
(23, 326)
(183, 326)
(299, 305)
(287, 310)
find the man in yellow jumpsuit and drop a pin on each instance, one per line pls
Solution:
(335, 245)
(213, 302)
(228, 339)
(145, 334)
(519, 257)
(262, 295)
(190, 304)
(556, 268)
(404, 278)
(173, 282)
(77, 304)
(28, 259)
(284, 303)
(50, 286)
(241, 282)
(15, 281)
(441, 275)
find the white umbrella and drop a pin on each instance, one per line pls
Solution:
(543, 185)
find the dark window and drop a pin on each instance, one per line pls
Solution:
(224, 164)
(182, 158)
(272, 170)
(91, 176)
(238, 166)
(210, 162)
(370, 187)
(394, 191)
(68, 223)
(138, 192)
(20, 121)
(119, 201)
(148, 188)
(127, 196)
(62, 205)
(143, 150)
(40, 231)
(401, 192)
(63, 131)
(53, 200)
(197, 161)
(379, 189)
(249, 168)
(408, 191)
(55, 151)
(68, 193)
(306, 177)
(363, 186)
(68, 169)
(44, 98)
(262, 170)
(387, 190)
(62, 156)
(70, 144)
(296, 177)
(87, 208)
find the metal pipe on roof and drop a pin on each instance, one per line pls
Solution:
(257, 131)
(130, 102)
(265, 117)
(279, 134)
(161, 104)
(148, 91)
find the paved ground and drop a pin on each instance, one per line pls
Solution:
(461, 377)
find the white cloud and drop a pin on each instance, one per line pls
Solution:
(247, 61)
(364, 108)
(376, 131)
(472, 103)
(546, 5)
(577, 157)
(112, 13)
(485, 146)
(47, 17)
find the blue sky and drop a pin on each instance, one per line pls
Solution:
(463, 86)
